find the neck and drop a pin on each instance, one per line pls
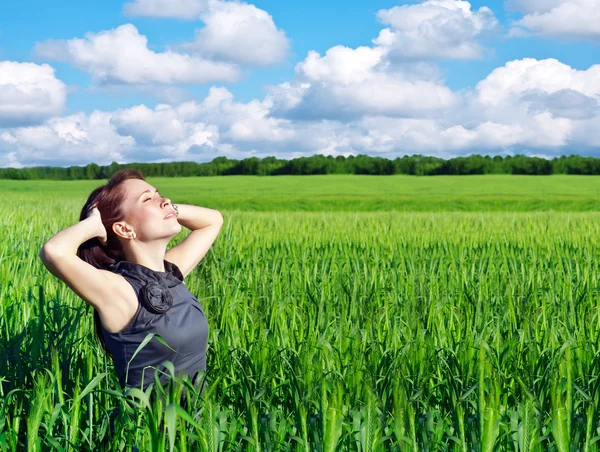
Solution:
(149, 254)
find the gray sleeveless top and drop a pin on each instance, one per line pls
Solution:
(165, 307)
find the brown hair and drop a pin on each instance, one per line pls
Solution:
(108, 199)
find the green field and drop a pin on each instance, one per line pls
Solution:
(331, 193)
(346, 313)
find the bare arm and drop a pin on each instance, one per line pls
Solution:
(67, 241)
(59, 255)
(205, 225)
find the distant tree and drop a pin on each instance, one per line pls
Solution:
(415, 164)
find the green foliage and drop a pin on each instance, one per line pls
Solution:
(415, 165)
(372, 331)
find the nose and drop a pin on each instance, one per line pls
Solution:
(165, 202)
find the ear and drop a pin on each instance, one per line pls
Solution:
(121, 229)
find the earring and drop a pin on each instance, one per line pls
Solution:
(132, 235)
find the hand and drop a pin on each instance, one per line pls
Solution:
(94, 215)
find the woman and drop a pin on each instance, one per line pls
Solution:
(115, 259)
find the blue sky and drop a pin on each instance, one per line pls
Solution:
(450, 78)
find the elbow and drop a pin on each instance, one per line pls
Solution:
(44, 253)
(48, 253)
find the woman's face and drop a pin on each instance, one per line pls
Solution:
(145, 211)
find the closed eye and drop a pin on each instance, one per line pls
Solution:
(148, 199)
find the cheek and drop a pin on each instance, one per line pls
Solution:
(152, 215)
(145, 218)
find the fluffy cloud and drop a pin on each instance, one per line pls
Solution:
(121, 55)
(520, 77)
(239, 122)
(566, 18)
(241, 33)
(546, 101)
(163, 130)
(342, 65)
(441, 138)
(29, 93)
(233, 31)
(444, 29)
(538, 105)
(76, 139)
(135, 134)
(218, 125)
(347, 83)
(180, 9)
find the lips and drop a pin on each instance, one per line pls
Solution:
(171, 213)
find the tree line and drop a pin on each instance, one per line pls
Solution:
(415, 164)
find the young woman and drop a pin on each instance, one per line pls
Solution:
(115, 259)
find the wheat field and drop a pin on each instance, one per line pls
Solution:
(345, 330)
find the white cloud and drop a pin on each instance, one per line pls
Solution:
(240, 122)
(159, 126)
(561, 18)
(443, 29)
(342, 65)
(121, 55)
(541, 131)
(163, 130)
(180, 9)
(542, 106)
(233, 31)
(546, 101)
(29, 93)
(241, 33)
(77, 139)
(10, 160)
(526, 103)
(437, 138)
(520, 77)
(189, 130)
(346, 83)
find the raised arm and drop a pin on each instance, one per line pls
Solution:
(205, 225)
(99, 288)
